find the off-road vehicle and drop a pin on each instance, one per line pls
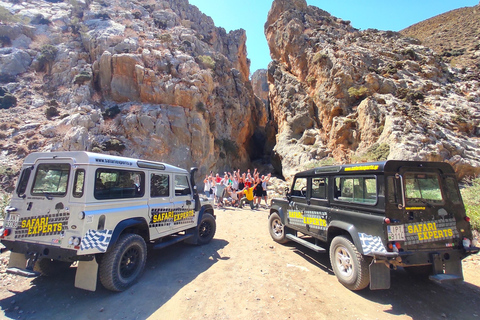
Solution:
(100, 211)
(375, 217)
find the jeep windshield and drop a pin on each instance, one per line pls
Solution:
(423, 188)
(51, 179)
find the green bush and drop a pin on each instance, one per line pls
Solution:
(207, 62)
(472, 202)
(358, 93)
(47, 56)
(378, 152)
(82, 77)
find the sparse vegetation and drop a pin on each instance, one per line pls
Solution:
(4, 202)
(319, 57)
(7, 100)
(111, 113)
(201, 107)
(165, 38)
(6, 16)
(82, 77)
(207, 61)
(47, 55)
(321, 163)
(358, 93)
(378, 152)
(472, 201)
(409, 95)
(51, 112)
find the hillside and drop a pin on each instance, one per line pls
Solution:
(338, 94)
(454, 35)
(147, 79)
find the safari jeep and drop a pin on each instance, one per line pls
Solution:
(375, 217)
(101, 211)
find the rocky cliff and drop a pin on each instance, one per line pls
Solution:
(149, 79)
(338, 94)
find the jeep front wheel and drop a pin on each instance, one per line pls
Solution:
(277, 229)
(206, 229)
(348, 264)
(122, 266)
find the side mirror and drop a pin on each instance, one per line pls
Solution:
(287, 193)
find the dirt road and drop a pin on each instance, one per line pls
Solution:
(242, 274)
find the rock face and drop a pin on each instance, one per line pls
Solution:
(338, 94)
(148, 79)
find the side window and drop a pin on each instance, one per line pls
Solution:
(159, 185)
(452, 190)
(300, 187)
(392, 190)
(119, 184)
(356, 189)
(182, 188)
(78, 183)
(22, 184)
(319, 187)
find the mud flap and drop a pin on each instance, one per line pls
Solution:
(86, 276)
(17, 260)
(454, 267)
(379, 275)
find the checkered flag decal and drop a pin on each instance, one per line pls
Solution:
(96, 239)
(371, 243)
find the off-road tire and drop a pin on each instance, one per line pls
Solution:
(123, 265)
(49, 267)
(205, 231)
(350, 267)
(277, 229)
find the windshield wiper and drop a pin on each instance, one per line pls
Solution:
(47, 195)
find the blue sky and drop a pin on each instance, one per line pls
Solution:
(251, 15)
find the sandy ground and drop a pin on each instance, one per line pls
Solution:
(242, 274)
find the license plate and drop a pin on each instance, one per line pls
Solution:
(12, 221)
(396, 233)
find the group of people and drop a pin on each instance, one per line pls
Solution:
(237, 189)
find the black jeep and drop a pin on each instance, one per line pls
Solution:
(376, 217)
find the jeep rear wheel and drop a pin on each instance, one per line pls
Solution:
(277, 229)
(122, 266)
(350, 267)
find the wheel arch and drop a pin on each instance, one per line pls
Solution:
(132, 225)
(337, 228)
(279, 211)
(207, 208)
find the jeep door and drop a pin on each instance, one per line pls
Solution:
(42, 202)
(317, 216)
(160, 204)
(298, 204)
(430, 212)
(185, 216)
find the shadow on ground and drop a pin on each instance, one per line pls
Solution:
(414, 296)
(166, 272)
